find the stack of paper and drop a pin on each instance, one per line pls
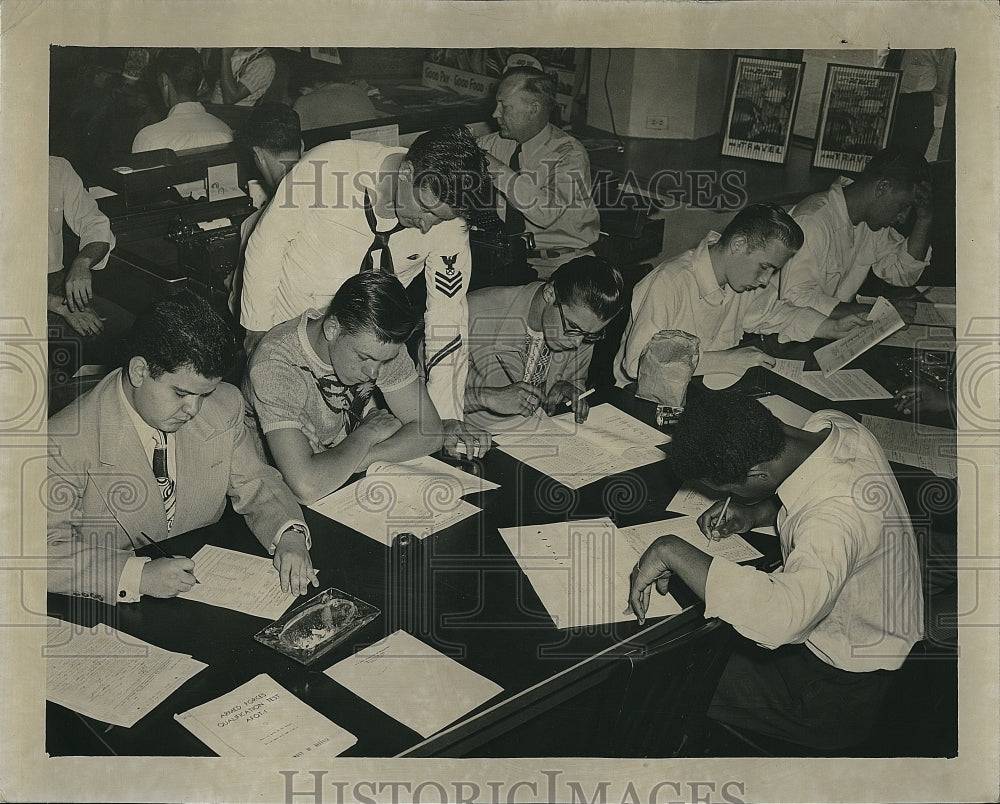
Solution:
(238, 581)
(580, 570)
(906, 442)
(413, 683)
(108, 675)
(608, 443)
(263, 719)
(884, 321)
(420, 497)
(843, 386)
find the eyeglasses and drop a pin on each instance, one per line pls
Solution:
(574, 332)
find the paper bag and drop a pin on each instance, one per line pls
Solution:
(666, 366)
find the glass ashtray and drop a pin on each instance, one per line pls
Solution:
(309, 631)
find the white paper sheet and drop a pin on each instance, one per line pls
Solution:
(238, 581)
(733, 548)
(429, 467)
(885, 320)
(690, 502)
(791, 414)
(843, 386)
(916, 336)
(920, 445)
(108, 675)
(939, 296)
(414, 683)
(385, 135)
(263, 719)
(580, 571)
(935, 316)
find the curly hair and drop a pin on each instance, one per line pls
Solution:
(722, 436)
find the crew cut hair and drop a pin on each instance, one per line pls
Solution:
(374, 302)
(591, 282)
(182, 65)
(902, 167)
(761, 223)
(181, 331)
(449, 163)
(273, 127)
(538, 84)
(721, 435)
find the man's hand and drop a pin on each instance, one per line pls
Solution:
(291, 560)
(738, 519)
(378, 425)
(907, 309)
(563, 391)
(86, 322)
(462, 439)
(922, 201)
(651, 569)
(166, 577)
(79, 290)
(739, 361)
(920, 398)
(519, 398)
(835, 328)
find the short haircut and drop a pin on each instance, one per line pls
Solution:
(273, 127)
(539, 85)
(374, 302)
(721, 435)
(181, 331)
(761, 223)
(449, 163)
(902, 167)
(182, 65)
(592, 282)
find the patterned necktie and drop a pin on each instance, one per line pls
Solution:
(514, 221)
(163, 479)
(381, 242)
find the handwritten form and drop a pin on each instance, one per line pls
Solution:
(609, 442)
(732, 548)
(263, 719)
(580, 571)
(238, 581)
(108, 675)
(691, 502)
(843, 386)
(935, 339)
(413, 683)
(920, 445)
(885, 320)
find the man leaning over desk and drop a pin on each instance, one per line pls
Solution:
(153, 451)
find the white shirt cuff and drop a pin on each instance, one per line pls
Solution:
(281, 532)
(128, 583)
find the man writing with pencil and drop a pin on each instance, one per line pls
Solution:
(530, 346)
(846, 606)
(153, 451)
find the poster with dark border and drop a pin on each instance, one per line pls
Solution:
(763, 94)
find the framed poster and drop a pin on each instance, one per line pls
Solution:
(763, 94)
(855, 116)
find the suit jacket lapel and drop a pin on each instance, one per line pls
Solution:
(195, 455)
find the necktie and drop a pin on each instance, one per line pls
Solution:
(514, 221)
(163, 479)
(381, 242)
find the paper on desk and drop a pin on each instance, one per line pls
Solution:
(429, 467)
(613, 430)
(263, 719)
(920, 445)
(885, 320)
(108, 675)
(935, 316)
(916, 336)
(580, 571)
(690, 502)
(383, 505)
(97, 192)
(413, 683)
(843, 386)
(938, 296)
(791, 414)
(238, 581)
(385, 135)
(732, 548)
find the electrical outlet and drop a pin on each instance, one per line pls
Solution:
(656, 122)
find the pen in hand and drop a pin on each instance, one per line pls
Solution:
(584, 395)
(506, 370)
(721, 517)
(163, 553)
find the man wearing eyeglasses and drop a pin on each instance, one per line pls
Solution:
(531, 346)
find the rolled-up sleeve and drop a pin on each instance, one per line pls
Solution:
(894, 263)
(83, 215)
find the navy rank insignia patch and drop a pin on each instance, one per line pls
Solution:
(448, 281)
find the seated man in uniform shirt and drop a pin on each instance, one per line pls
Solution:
(723, 289)
(848, 230)
(547, 190)
(846, 606)
(187, 125)
(531, 346)
(311, 380)
(154, 451)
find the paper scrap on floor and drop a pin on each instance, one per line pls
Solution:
(109, 675)
(238, 581)
(914, 444)
(691, 502)
(732, 548)
(843, 386)
(262, 719)
(414, 683)
(609, 442)
(884, 321)
(580, 571)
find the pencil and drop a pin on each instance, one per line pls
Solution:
(584, 395)
(506, 370)
(162, 552)
(722, 514)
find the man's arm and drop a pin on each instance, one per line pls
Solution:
(650, 313)
(803, 279)
(543, 195)
(767, 313)
(420, 433)
(900, 261)
(232, 90)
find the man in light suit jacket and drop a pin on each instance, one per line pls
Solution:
(153, 451)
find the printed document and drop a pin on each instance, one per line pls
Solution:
(913, 444)
(414, 683)
(844, 386)
(263, 719)
(732, 548)
(916, 336)
(884, 321)
(238, 581)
